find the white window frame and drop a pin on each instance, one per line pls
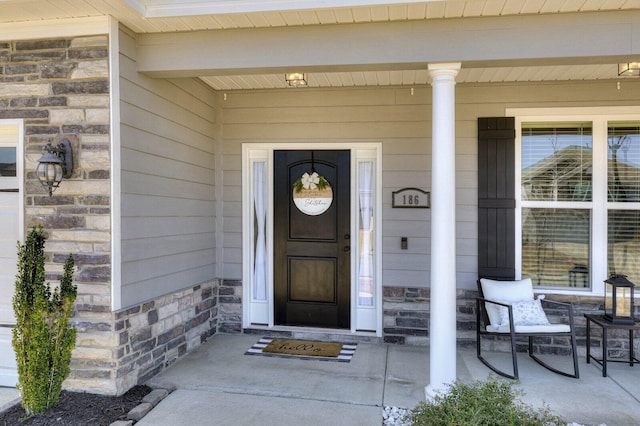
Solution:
(260, 313)
(18, 180)
(599, 117)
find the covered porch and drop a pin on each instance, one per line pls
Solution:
(190, 87)
(437, 53)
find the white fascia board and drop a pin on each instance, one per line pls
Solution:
(71, 27)
(139, 6)
(172, 8)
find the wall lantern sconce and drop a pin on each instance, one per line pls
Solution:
(56, 163)
(629, 69)
(296, 79)
(618, 300)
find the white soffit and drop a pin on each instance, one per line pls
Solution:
(167, 8)
(55, 28)
(420, 77)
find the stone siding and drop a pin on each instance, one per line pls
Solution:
(145, 338)
(230, 299)
(60, 88)
(406, 321)
(405, 315)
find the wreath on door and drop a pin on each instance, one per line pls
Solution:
(312, 194)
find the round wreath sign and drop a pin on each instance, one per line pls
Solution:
(312, 194)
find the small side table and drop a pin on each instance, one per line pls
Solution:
(606, 326)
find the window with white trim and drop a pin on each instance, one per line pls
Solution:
(579, 200)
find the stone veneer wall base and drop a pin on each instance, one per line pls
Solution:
(149, 337)
(406, 321)
(153, 335)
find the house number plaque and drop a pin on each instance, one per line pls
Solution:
(411, 198)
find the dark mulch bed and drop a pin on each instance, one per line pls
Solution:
(80, 409)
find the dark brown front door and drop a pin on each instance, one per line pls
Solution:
(311, 252)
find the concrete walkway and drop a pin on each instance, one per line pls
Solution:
(219, 385)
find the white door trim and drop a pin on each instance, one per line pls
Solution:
(260, 313)
(11, 134)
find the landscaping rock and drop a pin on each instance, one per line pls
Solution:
(155, 396)
(139, 411)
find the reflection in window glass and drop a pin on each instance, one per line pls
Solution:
(555, 246)
(365, 197)
(623, 186)
(556, 161)
(260, 204)
(623, 243)
(7, 161)
(623, 154)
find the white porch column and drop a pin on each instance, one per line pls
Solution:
(442, 329)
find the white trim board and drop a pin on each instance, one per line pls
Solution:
(116, 205)
(259, 313)
(15, 127)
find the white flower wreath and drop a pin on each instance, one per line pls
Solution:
(311, 182)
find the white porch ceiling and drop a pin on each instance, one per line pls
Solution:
(154, 16)
(421, 77)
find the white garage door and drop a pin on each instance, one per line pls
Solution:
(10, 233)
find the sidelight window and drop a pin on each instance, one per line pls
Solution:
(366, 202)
(260, 219)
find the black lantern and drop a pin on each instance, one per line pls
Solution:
(618, 299)
(56, 163)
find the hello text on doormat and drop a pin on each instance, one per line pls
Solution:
(303, 349)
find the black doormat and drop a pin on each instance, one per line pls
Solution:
(297, 348)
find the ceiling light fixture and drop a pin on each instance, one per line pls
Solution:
(296, 79)
(629, 69)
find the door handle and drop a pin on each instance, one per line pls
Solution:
(347, 248)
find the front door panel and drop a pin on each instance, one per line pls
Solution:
(311, 249)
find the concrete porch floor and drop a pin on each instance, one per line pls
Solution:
(218, 385)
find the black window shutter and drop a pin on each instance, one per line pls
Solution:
(496, 197)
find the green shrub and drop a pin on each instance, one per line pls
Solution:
(43, 337)
(490, 402)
